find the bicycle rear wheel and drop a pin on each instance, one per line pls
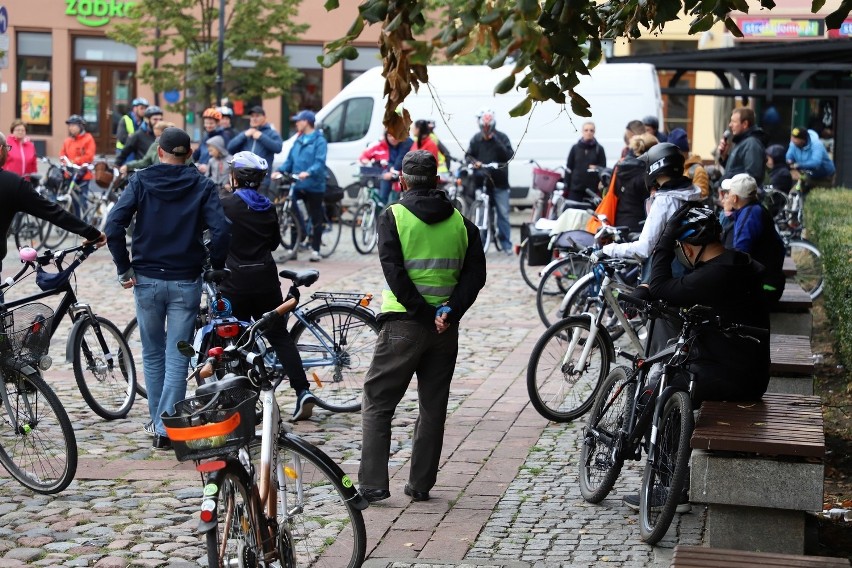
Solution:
(325, 528)
(555, 283)
(103, 367)
(339, 362)
(364, 231)
(331, 229)
(134, 342)
(809, 272)
(559, 389)
(57, 235)
(29, 231)
(233, 541)
(667, 468)
(291, 230)
(37, 442)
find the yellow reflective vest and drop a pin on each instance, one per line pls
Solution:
(434, 255)
(129, 127)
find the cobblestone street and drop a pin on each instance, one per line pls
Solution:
(507, 493)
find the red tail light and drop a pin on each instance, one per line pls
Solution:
(215, 352)
(229, 330)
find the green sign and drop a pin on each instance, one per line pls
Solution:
(97, 13)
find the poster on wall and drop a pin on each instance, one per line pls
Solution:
(90, 99)
(35, 102)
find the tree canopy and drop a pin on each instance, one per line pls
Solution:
(181, 38)
(549, 43)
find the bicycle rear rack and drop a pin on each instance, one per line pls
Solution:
(346, 297)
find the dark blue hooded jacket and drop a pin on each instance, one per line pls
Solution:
(173, 206)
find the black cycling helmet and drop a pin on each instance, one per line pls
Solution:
(699, 227)
(662, 159)
(76, 119)
(249, 169)
(152, 110)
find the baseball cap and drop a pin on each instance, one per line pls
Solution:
(420, 163)
(679, 139)
(651, 120)
(800, 133)
(305, 115)
(257, 109)
(175, 141)
(741, 185)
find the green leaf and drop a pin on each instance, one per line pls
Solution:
(733, 28)
(499, 59)
(505, 85)
(817, 5)
(394, 24)
(702, 24)
(580, 106)
(374, 11)
(332, 5)
(356, 28)
(530, 9)
(456, 47)
(836, 18)
(768, 4)
(491, 17)
(522, 108)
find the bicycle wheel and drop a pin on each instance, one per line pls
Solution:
(479, 217)
(134, 341)
(319, 517)
(103, 367)
(555, 283)
(809, 272)
(459, 204)
(290, 228)
(331, 230)
(233, 541)
(667, 468)
(37, 442)
(600, 463)
(57, 235)
(583, 298)
(559, 389)
(338, 362)
(364, 231)
(29, 231)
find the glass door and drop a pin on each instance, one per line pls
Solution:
(102, 96)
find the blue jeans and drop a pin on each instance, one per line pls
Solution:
(166, 312)
(501, 206)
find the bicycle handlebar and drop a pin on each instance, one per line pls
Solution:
(696, 315)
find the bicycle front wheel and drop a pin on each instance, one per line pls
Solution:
(233, 542)
(336, 351)
(37, 442)
(479, 217)
(134, 342)
(103, 367)
(364, 231)
(599, 464)
(555, 283)
(809, 272)
(324, 527)
(666, 469)
(560, 386)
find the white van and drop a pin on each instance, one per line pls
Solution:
(618, 93)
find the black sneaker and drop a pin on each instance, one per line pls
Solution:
(373, 495)
(305, 402)
(632, 501)
(149, 428)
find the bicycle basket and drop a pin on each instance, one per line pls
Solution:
(25, 335)
(229, 423)
(54, 178)
(545, 180)
(103, 174)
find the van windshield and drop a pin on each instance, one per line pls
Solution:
(349, 121)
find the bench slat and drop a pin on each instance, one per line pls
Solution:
(789, 267)
(790, 355)
(704, 557)
(794, 299)
(778, 425)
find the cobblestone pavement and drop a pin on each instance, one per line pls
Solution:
(507, 493)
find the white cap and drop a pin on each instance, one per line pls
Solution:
(741, 185)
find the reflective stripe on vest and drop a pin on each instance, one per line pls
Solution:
(129, 127)
(434, 255)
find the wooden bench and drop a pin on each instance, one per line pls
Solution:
(792, 314)
(791, 367)
(759, 468)
(704, 557)
(789, 267)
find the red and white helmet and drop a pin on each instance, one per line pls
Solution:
(487, 119)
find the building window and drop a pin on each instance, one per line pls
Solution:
(33, 85)
(307, 92)
(677, 109)
(368, 57)
(100, 49)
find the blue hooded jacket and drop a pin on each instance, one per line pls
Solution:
(173, 206)
(813, 156)
(308, 155)
(266, 146)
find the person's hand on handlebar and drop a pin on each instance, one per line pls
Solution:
(304, 175)
(642, 292)
(99, 242)
(598, 256)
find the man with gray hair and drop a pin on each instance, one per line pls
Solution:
(434, 265)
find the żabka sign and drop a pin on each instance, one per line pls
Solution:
(97, 13)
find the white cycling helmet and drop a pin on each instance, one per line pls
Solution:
(249, 169)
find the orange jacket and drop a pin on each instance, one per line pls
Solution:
(80, 149)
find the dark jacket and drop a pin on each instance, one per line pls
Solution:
(430, 206)
(753, 232)
(18, 195)
(731, 284)
(748, 155)
(254, 235)
(136, 146)
(173, 206)
(780, 178)
(266, 146)
(201, 155)
(582, 155)
(632, 193)
(497, 149)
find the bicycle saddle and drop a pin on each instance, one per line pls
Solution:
(226, 382)
(302, 278)
(217, 276)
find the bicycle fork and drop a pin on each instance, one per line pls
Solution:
(80, 313)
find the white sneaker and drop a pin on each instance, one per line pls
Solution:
(289, 254)
(315, 256)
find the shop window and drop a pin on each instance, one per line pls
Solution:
(349, 121)
(308, 91)
(368, 57)
(33, 85)
(99, 49)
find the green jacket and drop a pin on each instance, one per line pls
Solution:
(149, 159)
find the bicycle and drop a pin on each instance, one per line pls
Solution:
(570, 360)
(365, 233)
(37, 442)
(269, 499)
(628, 404)
(481, 211)
(102, 361)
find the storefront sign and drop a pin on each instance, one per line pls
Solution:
(35, 102)
(90, 98)
(97, 13)
(781, 28)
